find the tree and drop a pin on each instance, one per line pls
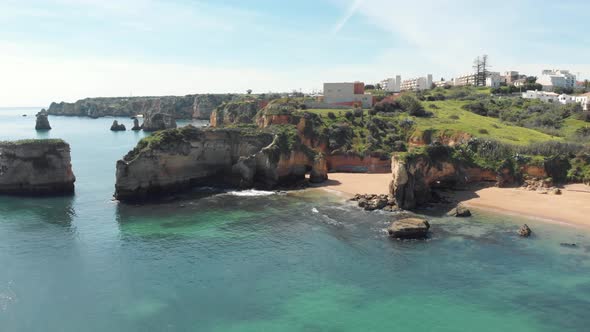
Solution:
(481, 65)
(249, 91)
(531, 79)
(586, 84)
(378, 86)
(369, 87)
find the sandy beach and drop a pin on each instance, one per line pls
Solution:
(572, 207)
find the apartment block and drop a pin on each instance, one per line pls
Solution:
(347, 94)
(556, 78)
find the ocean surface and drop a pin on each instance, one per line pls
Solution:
(259, 261)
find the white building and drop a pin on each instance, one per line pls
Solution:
(584, 100)
(548, 97)
(347, 94)
(417, 84)
(495, 80)
(392, 84)
(463, 80)
(551, 79)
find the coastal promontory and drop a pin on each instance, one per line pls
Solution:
(36, 167)
(177, 159)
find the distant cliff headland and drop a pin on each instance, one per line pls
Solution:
(198, 106)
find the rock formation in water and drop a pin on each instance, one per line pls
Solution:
(36, 167)
(460, 212)
(525, 231)
(409, 228)
(177, 159)
(117, 127)
(136, 125)
(42, 121)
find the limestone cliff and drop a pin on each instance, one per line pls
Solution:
(204, 105)
(178, 159)
(159, 117)
(36, 167)
(182, 107)
(414, 177)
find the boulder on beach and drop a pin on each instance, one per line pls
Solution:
(525, 231)
(459, 212)
(118, 127)
(409, 228)
(42, 121)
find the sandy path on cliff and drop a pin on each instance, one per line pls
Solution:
(572, 207)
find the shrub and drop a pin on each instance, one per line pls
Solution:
(454, 117)
(331, 115)
(412, 106)
(358, 112)
(349, 115)
(483, 131)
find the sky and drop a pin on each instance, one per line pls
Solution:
(64, 50)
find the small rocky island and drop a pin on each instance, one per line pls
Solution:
(42, 121)
(36, 167)
(116, 126)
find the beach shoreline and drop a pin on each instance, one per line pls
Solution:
(571, 208)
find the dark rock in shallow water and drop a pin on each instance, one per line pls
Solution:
(36, 167)
(460, 212)
(569, 245)
(525, 231)
(118, 127)
(42, 121)
(409, 228)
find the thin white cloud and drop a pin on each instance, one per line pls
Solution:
(352, 9)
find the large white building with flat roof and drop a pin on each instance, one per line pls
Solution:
(556, 78)
(417, 84)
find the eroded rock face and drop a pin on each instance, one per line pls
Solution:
(174, 160)
(413, 179)
(117, 127)
(36, 167)
(204, 105)
(409, 228)
(42, 121)
(158, 121)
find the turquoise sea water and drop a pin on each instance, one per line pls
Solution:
(256, 262)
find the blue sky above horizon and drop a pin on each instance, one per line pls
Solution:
(71, 49)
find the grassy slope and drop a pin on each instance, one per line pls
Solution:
(468, 122)
(472, 123)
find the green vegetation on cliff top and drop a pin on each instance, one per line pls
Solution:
(51, 141)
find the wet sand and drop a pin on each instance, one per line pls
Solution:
(349, 184)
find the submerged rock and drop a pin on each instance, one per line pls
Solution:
(459, 212)
(525, 231)
(118, 127)
(42, 121)
(36, 167)
(409, 228)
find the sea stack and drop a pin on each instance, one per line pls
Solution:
(136, 126)
(42, 121)
(118, 127)
(36, 167)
